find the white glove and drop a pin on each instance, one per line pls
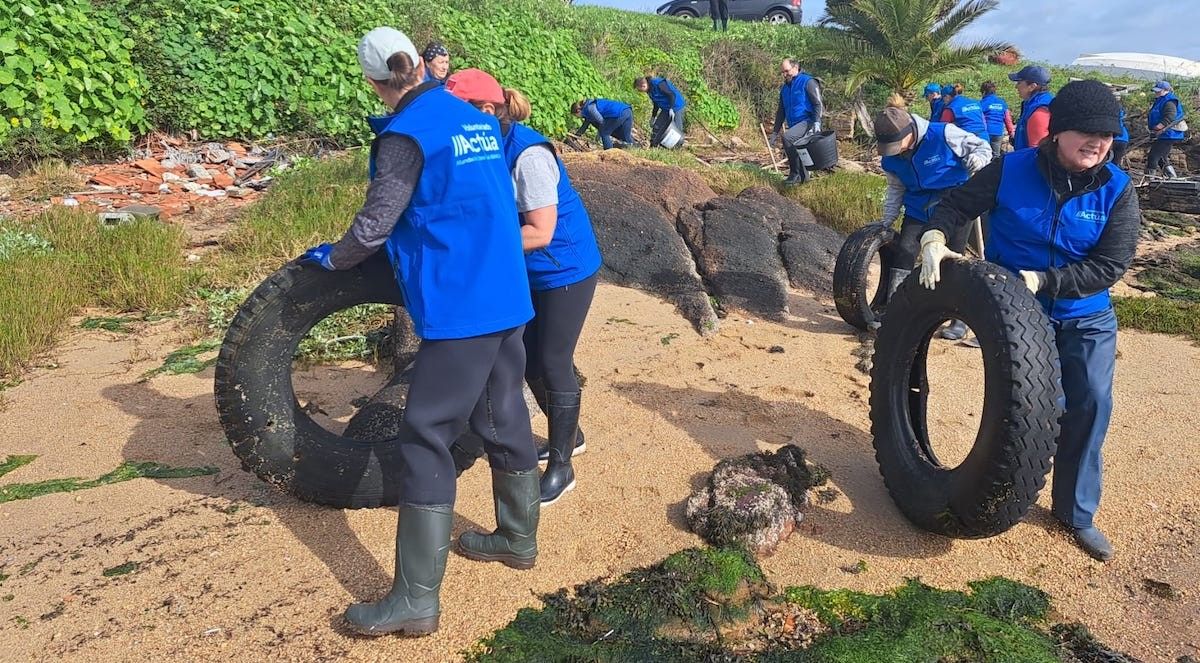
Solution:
(1033, 280)
(933, 252)
(816, 127)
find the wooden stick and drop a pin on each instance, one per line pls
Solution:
(770, 150)
(978, 228)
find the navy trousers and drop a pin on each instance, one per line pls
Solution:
(621, 126)
(1087, 350)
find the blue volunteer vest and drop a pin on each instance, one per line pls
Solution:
(660, 98)
(430, 78)
(994, 109)
(1029, 231)
(1122, 137)
(456, 250)
(1040, 100)
(1156, 116)
(573, 254)
(609, 109)
(793, 95)
(933, 169)
(935, 109)
(968, 116)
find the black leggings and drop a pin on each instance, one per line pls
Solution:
(720, 10)
(908, 244)
(1160, 156)
(551, 336)
(476, 381)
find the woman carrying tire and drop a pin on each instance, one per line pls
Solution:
(923, 161)
(562, 259)
(1066, 221)
(609, 116)
(441, 205)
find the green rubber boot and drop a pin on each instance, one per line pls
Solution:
(411, 608)
(518, 501)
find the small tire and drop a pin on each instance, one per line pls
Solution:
(851, 272)
(266, 426)
(994, 486)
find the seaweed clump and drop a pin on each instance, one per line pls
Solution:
(754, 501)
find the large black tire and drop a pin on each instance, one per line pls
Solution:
(991, 490)
(851, 273)
(268, 430)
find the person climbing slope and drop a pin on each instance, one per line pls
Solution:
(668, 104)
(923, 161)
(562, 259)
(800, 107)
(1165, 121)
(447, 219)
(609, 116)
(1065, 220)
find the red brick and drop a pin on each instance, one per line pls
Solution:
(222, 179)
(151, 166)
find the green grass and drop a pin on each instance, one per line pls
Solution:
(120, 569)
(305, 207)
(124, 472)
(186, 360)
(843, 201)
(14, 462)
(134, 266)
(1159, 314)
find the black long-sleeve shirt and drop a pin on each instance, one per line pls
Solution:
(813, 90)
(1105, 263)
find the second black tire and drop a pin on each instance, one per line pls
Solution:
(852, 272)
(994, 486)
(268, 429)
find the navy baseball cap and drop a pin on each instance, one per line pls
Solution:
(1032, 74)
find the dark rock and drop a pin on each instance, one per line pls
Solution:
(807, 248)
(642, 250)
(669, 189)
(776, 350)
(736, 251)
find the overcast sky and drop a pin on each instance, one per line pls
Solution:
(1060, 30)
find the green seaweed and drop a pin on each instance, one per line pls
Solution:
(708, 604)
(186, 360)
(124, 472)
(13, 462)
(120, 324)
(120, 569)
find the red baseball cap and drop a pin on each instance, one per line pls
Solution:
(475, 85)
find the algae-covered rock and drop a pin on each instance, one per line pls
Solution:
(754, 501)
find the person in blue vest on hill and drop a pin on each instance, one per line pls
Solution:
(1065, 220)
(562, 259)
(441, 205)
(1166, 122)
(609, 116)
(1121, 141)
(964, 112)
(933, 94)
(800, 106)
(923, 161)
(668, 107)
(997, 116)
(1034, 123)
(437, 62)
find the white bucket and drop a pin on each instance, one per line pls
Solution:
(672, 137)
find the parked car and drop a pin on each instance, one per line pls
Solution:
(771, 11)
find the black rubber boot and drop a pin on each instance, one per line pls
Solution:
(795, 175)
(518, 507)
(955, 331)
(538, 388)
(559, 476)
(411, 607)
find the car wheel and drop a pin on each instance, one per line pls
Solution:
(777, 17)
(685, 13)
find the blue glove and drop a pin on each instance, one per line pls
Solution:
(319, 255)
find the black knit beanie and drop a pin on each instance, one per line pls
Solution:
(1086, 106)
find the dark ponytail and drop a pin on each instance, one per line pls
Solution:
(404, 72)
(989, 87)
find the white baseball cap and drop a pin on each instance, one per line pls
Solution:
(380, 44)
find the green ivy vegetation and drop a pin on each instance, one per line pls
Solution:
(65, 66)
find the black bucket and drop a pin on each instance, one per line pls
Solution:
(820, 152)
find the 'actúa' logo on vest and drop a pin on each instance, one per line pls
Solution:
(475, 143)
(937, 158)
(1095, 216)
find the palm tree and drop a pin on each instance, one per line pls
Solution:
(902, 43)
